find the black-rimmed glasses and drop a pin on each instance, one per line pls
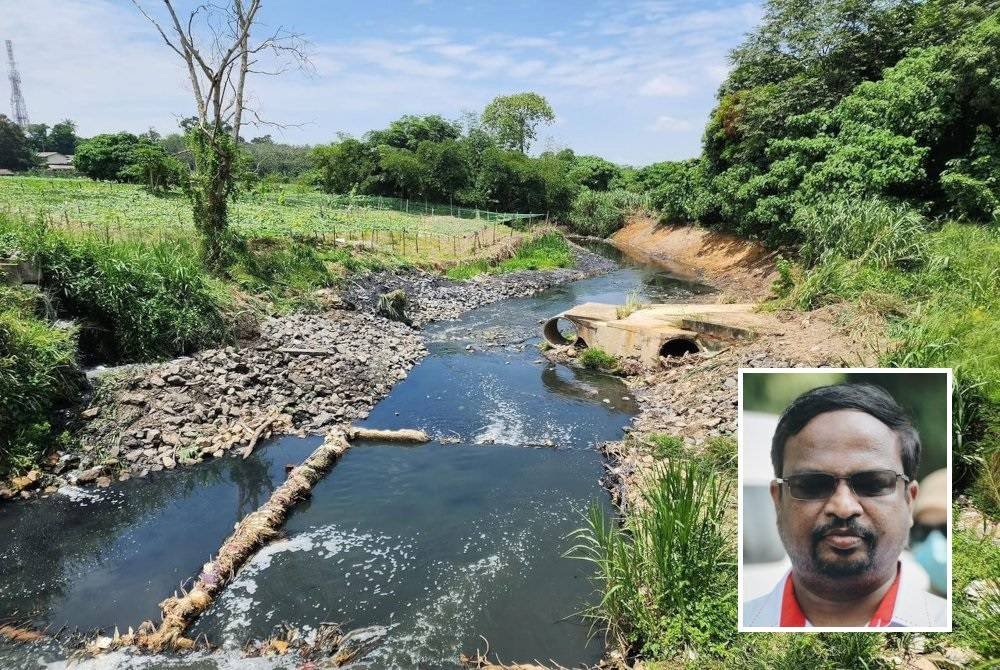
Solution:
(821, 485)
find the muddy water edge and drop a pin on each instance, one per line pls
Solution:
(441, 544)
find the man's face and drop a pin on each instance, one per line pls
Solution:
(844, 542)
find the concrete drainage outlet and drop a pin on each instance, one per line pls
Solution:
(560, 332)
(678, 346)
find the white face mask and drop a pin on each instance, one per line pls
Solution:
(932, 554)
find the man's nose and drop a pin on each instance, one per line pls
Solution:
(843, 503)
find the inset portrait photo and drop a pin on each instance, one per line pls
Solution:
(845, 499)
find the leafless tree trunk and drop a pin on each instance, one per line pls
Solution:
(218, 46)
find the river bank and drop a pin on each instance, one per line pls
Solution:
(304, 374)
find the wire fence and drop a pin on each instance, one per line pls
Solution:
(328, 231)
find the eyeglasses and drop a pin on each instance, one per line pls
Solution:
(821, 485)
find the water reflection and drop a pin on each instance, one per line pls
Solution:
(100, 558)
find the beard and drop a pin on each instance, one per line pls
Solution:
(844, 567)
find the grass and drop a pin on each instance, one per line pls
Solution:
(595, 358)
(546, 251)
(37, 373)
(718, 452)
(976, 624)
(631, 306)
(666, 574)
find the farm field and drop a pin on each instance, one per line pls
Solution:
(128, 212)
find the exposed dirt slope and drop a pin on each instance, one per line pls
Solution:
(744, 270)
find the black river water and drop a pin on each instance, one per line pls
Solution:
(445, 544)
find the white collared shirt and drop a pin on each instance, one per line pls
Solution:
(915, 607)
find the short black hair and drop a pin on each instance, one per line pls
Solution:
(867, 398)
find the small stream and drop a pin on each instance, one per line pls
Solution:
(441, 543)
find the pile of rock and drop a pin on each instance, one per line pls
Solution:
(304, 374)
(432, 297)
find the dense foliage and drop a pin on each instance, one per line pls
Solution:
(842, 99)
(125, 157)
(60, 138)
(15, 151)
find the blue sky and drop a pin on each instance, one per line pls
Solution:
(630, 81)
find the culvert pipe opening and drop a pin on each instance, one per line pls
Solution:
(678, 346)
(560, 332)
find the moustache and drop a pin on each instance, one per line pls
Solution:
(851, 526)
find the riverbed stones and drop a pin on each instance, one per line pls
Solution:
(314, 370)
(432, 297)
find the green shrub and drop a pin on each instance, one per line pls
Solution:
(666, 575)
(150, 299)
(666, 446)
(600, 213)
(595, 358)
(544, 252)
(720, 453)
(871, 232)
(37, 372)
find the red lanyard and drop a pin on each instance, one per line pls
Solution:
(793, 616)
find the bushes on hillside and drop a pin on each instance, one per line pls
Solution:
(896, 103)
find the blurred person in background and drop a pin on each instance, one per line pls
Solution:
(929, 535)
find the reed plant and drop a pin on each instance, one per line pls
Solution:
(666, 574)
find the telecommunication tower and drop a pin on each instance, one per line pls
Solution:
(17, 107)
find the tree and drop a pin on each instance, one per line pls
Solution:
(38, 136)
(217, 46)
(407, 132)
(593, 172)
(514, 119)
(62, 138)
(149, 164)
(126, 158)
(344, 166)
(105, 156)
(15, 151)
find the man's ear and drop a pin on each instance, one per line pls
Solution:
(911, 490)
(775, 489)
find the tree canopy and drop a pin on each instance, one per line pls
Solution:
(514, 119)
(15, 151)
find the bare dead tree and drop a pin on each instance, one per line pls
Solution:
(219, 47)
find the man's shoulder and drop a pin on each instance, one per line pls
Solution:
(764, 611)
(917, 608)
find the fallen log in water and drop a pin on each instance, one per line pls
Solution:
(251, 534)
(377, 435)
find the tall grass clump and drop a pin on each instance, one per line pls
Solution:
(37, 372)
(867, 231)
(137, 300)
(600, 213)
(667, 575)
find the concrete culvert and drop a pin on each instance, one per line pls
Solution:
(678, 347)
(559, 332)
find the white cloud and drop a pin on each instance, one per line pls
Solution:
(670, 124)
(665, 86)
(115, 73)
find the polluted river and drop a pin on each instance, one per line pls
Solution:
(449, 546)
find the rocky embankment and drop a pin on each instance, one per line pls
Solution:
(433, 297)
(305, 373)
